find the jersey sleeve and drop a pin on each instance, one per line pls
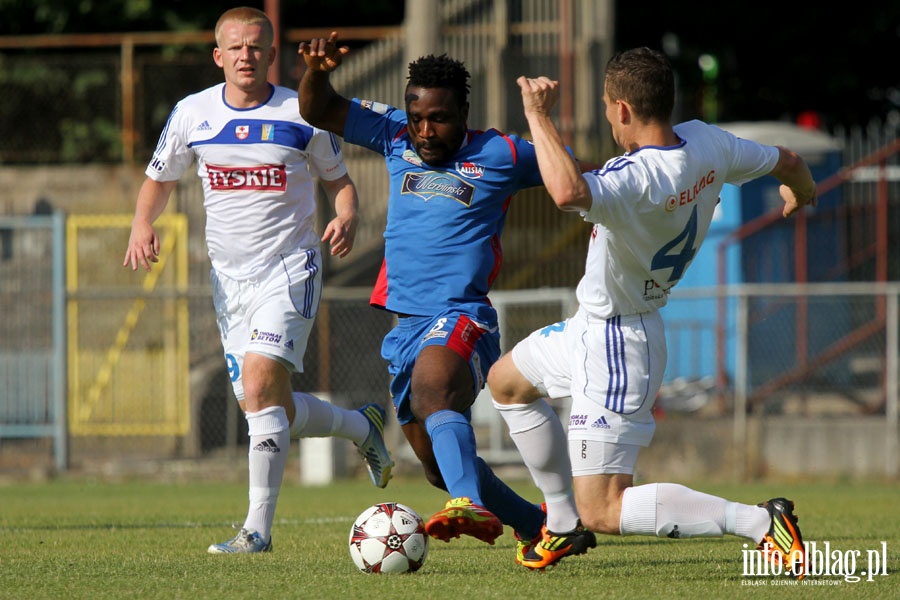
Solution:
(172, 156)
(613, 190)
(325, 158)
(749, 160)
(526, 162)
(373, 125)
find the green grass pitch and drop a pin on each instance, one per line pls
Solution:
(90, 539)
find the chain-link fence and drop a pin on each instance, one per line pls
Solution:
(818, 350)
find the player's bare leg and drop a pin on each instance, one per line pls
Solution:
(609, 504)
(267, 394)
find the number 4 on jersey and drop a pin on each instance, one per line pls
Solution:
(678, 253)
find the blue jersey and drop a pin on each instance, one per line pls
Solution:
(442, 239)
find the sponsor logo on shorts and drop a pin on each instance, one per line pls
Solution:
(476, 368)
(437, 330)
(265, 337)
(577, 420)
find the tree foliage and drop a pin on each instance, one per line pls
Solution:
(775, 61)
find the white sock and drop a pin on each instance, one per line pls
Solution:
(538, 434)
(751, 522)
(317, 418)
(269, 445)
(672, 510)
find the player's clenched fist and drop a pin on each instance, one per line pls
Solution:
(321, 54)
(538, 94)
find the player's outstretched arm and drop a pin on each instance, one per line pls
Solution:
(798, 188)
(143, 244)
(320, 105)
(561, 174)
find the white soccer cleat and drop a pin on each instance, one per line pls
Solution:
(373, 450)
(245, 542)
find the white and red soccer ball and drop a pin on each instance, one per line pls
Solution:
(388, 538)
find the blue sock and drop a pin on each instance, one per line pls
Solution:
(517, 512)
(453, 443)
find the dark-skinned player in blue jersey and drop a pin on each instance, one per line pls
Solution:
(449, 192)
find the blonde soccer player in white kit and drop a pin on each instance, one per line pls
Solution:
(651, 209)
(257, 159)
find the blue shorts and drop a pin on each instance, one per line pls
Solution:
(476, 342)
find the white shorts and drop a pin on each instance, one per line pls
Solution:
(272, 315)
(611, 368)
(593, 457)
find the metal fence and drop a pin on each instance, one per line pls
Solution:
(32, 331)
(38, 357)
(108, 99)
(118, 94)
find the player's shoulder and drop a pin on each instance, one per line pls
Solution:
(700, 130)
(282, 95)
(206, 97)
(198, 105)
(283, 106)
(369, 114)
(494, 136)
(499, 145)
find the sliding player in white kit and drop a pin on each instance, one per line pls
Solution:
(651, 209)
(257, 159)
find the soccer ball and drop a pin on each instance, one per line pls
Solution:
(388, 538)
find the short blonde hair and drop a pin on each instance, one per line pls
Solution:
(247, 16)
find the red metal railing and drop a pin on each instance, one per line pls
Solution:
(878, 252)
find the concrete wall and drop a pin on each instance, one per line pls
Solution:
(73, 189)
(686, 448)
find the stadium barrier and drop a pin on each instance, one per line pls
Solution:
(139, 359)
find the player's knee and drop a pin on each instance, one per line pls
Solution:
(602, 521)
(502, 380)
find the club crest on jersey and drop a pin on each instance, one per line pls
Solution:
(242, 132)
(431, 184)
(470, 170)
(411, 157)
(376, 107)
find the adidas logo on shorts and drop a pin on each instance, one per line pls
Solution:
(267, 446)
(600, 424)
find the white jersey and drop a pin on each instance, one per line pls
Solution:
(257, 167)
(652, 209)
